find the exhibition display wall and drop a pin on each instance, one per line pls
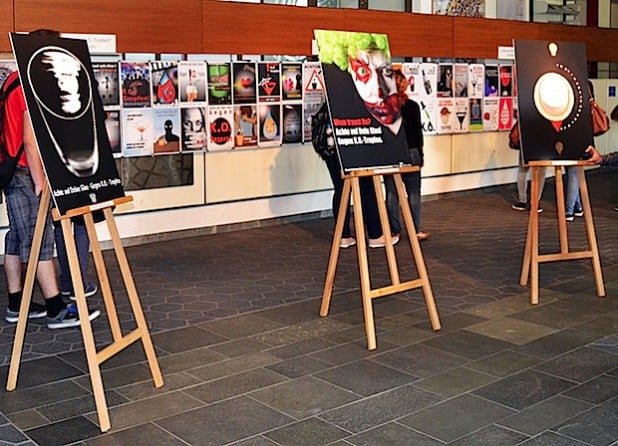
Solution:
(263, 181)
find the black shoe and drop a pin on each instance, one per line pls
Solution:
(570, 217)
(36, 311)
(578, 212)
(519, 206)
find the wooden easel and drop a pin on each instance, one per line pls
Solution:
(120, 341)
(352, 183)
(532, 258)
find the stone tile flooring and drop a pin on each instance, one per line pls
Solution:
(248, 361)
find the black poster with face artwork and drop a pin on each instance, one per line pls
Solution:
(362, 99)
(553, 100)
(68, 120)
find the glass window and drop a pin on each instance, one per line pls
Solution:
(388, 5)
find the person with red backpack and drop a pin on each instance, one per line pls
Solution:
(23, 199)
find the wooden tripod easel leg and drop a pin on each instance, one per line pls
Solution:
(335, 248)
(142, 326)
(35, 250)
(417, 253)
(533, 227)
(86, 328)
(590, 233)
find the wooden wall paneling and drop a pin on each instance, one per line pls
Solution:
(140, 25)
(6, 25)
(233, 28)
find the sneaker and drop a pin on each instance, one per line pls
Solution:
(616, 208)
(37, 311)
(578, 212)
(346, 242)
(539, 210)
(570, 217)
(422, 235)
(90, 290)
(68, 318)
(380, 242)
(519, 206)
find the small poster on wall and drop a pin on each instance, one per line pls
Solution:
(269, 123)
(429, 108)
(166, 125)
(220, 127)
(492, 87)
(314, 96)
(112, 126)
(505, 116)
(447, 120)
(164, 77)
(292, 123)
(476, 77)
(292, 81)
(245, 91)
(219, 84)
(107, 76)
(137, 132)
(460, 80)
(192, 81)
(476, 115)
(135, 80)
(193, 125)
(506, 80)
(445, 80)
(6, 68)
(269, 82)
(461, 110)
(245, 126)
(490, 114)
(68, 120)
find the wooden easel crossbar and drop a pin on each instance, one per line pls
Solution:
(351, 187)
(120, 341)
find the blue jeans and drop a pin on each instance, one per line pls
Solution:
(573, 201)
(82, 244)
(412, 183)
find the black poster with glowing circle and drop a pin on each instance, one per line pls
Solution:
(553, 100)
(68, 120)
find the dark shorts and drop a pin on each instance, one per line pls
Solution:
(23, 207)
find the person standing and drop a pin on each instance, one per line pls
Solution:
(413, 127)
(23, 196)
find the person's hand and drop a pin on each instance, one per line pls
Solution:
(595, 156)
(195, 140)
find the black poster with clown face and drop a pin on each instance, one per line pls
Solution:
(363, 100)
(553, 100)
(68, 120)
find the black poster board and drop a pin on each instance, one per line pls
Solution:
(362, 99)
(553, 100)
(68, 120)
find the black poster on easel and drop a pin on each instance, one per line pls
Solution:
(68, 120)
(553, 101)
(362, 98)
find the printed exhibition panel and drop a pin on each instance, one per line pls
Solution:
(553, 99)
(68, 120)
(362, 99)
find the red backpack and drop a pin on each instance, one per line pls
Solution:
(8, 163)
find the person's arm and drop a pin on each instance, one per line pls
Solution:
(31, 149)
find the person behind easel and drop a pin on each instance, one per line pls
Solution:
(324, 144)
(411, 113)
(609, 161)
(23, 199)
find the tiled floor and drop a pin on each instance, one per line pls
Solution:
(248, 361)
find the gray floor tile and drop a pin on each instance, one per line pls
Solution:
(545, 415)
(234, 385)
(188, 360)
(456, 417)
(238, 347)
(392, 434)
(467, 344)
(580, 365)
(78, 406)
(304, 397)
(309, 432)
(147, 389)
(224, 422)
(420, 360)
(552, 439)
(596, 390)
(365, 377)
(19, 400)
(379, 409)
(64, 432)
(240, 326)
(300, 366)
(524, 389)
(183, 339)
(41, 371)
(491, 435)
(557, 343)
(143, 435)
(9, 434)
(504, 363)
(598, 426)
(454, 382)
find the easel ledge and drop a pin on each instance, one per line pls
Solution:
(91, 208)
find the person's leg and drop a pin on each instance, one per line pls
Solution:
(413, 188)
(522, 185)
(332, 163)
(572, 191)
(83, 250)
(65, 274)
(392, 204)
(370, 208)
